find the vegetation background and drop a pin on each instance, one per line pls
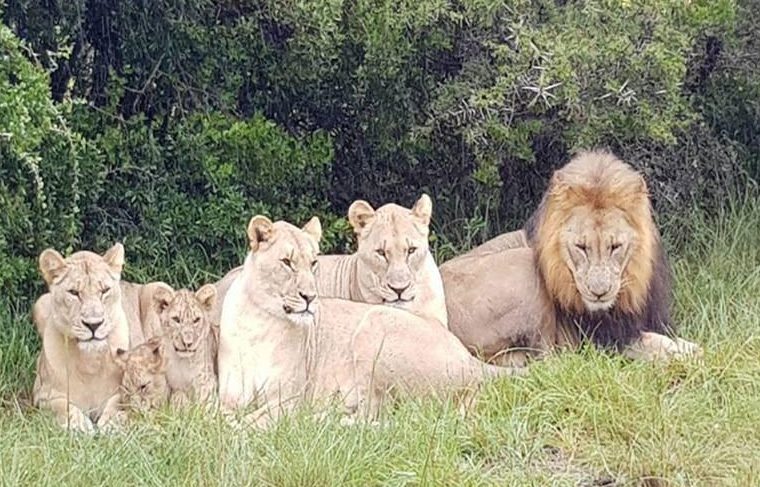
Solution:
(166, 124)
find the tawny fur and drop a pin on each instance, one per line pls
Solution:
(190, 343)
(281, 345)
(505, 295)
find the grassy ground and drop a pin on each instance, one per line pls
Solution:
(578, 419)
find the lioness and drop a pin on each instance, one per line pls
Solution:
(190, 343)
(82, 323)
(143, 385)
(595, 269)
(392, 264)
(280, 344)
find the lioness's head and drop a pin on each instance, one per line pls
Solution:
(595, 236)
(184, 316)
(393, 246)
(84, 288)
(284, 258)
(143, 385)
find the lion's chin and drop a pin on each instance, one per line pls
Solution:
(92, 345)
(598, 306)
(304, 318)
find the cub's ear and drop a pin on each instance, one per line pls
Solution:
(260, 230)
(360, 213)
(120, 357)
(52, 265)
(114, 257)
(314, 228)
(423, 209)
(158, 357)
(206, 295)
(162, 296)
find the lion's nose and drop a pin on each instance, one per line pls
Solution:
(398, 290)
(93, 324)
(308, 297)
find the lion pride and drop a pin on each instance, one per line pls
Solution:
(594, 269)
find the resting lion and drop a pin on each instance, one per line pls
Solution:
(81, 323)
(190, 343)
(280, 344)
(392, 264)
(595, 269)
(143, 385)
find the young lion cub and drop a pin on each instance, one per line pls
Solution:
(190, 343)
(144, 385)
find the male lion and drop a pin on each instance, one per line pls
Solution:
(144, 385)
(595, 270)
(280, 344)
(392, 264)
(81, 323)
(190, 343)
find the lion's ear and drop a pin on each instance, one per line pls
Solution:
(158, 357)
(314, 228)
(162, 296)
(206, 295)
(260, 230)
(423, 209)
(114, 257)
(360, 213)
(52, 265)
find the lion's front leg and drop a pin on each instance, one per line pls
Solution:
(653, 347)
(113, 418)
(67, 415)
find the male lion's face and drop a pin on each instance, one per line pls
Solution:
(596, 246)
(184, 317)
(143, 385)
(287, 256)
(84, 288)
(392, 247)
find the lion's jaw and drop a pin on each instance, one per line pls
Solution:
(596, 246)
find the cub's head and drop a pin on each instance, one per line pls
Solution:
(143, 385)
(282, 263)
(85, 291)
(392, 247)
(595, 237)
(185, 317)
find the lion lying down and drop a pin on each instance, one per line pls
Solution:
(281, 345)
(590, 265)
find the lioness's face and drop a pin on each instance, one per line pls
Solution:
(84, 287)
(287, 256)
(596, 246)
(143, 384)
(393, 248)
(184, 317)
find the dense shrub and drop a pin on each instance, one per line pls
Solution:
(166, 124)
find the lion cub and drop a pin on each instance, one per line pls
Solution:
(143, 385)
(190, 343)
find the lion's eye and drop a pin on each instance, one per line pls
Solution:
(412, 250)
(287, 263)
(614, 247)
(381, 253)
(143, 387)
(197, 320)
(581, 247)
(175, 319)
(74, 292)
(314, 264)
(104, 290)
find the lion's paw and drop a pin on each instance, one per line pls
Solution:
(79, 422)
(682, 349)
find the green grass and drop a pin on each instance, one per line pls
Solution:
(579, 419)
